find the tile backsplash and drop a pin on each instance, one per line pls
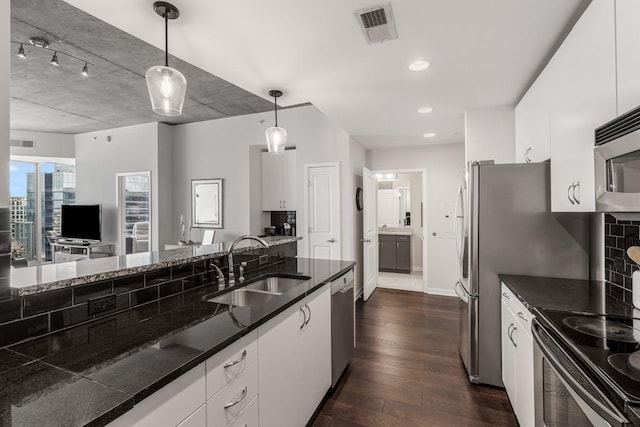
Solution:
(35, 315)
(618, 236)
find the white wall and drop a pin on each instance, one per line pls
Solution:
(48, 145)
(131, 149)
(444, 164)
(5, 79)
(490, 134)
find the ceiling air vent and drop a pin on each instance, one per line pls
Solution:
(377, 23)
(23, 143)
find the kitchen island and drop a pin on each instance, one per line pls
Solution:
(98, 370)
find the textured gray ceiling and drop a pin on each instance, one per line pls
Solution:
(45, 98)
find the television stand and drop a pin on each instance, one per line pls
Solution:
(65, 250)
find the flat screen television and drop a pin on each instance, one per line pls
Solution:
(81, 222)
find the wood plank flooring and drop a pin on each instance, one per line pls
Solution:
(406, 370)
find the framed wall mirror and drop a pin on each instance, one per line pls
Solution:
(206, 203)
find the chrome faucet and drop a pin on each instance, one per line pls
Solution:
(232, 278)
(221, 283)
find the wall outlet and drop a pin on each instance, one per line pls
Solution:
(264, 259)
(102, 304)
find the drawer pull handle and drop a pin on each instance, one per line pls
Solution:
(308, 308)
(240, 399)
(504, 294)
(304, 313)
(235, 362)
(520, 315)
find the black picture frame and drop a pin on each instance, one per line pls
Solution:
(359, 198)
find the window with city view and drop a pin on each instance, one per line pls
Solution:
(38, 190)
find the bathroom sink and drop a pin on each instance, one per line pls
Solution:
(244, 298)
(276, 285)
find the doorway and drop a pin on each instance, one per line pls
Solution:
(134, 212)
(400, 225)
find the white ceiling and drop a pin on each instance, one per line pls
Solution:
(483, 53)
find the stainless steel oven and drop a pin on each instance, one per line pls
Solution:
(564, 394)
(617, 164)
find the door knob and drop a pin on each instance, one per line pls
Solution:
(332, 240)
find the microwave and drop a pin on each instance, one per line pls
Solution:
(617, 164)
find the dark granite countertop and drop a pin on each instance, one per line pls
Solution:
(585, 296)
(92, 373)
(48, 277)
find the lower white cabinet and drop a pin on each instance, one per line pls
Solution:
(295, 362)
(169, 406)
(249, 417)
(197, 419)
(517, 357)
(226, 405)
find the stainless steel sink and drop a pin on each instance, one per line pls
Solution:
(244, 298)
(276, 285)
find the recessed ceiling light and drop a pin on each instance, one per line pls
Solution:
(425, 110)
(419, 65)
(429, 135)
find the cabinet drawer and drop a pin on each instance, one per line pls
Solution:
(242, 390)
(403, 238)
(197, 419)
(387, 237)
(249, 417)
(521, 313)
(237, 357)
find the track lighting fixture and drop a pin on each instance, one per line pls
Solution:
(40, 43)
(167, 86)
(276, 136)
(54, 60)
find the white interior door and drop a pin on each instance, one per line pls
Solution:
(323, 213)
(370, 233)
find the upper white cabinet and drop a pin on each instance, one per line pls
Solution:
(279, 181)
(583, 96)
(532, 121)
(628, 53)
(295, 362)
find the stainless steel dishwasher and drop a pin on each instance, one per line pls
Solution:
(342, 324)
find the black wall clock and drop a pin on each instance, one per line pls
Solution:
(359, 198)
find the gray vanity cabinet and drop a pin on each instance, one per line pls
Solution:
(394, 253)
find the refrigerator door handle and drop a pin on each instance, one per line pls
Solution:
(462, 293)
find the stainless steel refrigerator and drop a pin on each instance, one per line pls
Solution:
(504, 225)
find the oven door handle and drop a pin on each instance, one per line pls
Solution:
(582, 396)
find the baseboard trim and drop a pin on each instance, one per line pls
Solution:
(442, 292)
(416, 269)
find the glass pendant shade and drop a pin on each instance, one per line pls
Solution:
(276, 139)
(167, 87)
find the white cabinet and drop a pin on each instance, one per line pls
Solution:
(517, 357)
(627, 48)
(171, 405)
(532, 121)
(279, 181)
(197, 419)
(226, 405)
(295, 361)
(583, 97)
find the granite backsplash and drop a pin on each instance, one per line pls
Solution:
(25, 317)
(618, 236)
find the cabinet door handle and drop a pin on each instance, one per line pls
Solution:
(506, 295)
(284, 204)
(332, 240)
(397, 245)
(569, 195)
(520, 315)
(509, 330)
(527, 159)
(304, 313)
(309, 319)
(235, 362)
(515, 329)
(576, 185)
(240, 399)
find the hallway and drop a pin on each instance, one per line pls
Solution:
(406, 370)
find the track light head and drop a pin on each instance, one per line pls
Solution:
(54, 60)
(21, 53)
(85, 70)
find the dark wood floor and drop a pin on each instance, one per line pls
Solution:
(406, 370)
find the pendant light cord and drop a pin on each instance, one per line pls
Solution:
(275, 103)
(166, 38)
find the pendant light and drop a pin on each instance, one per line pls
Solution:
(167, 86)
(276, 136)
